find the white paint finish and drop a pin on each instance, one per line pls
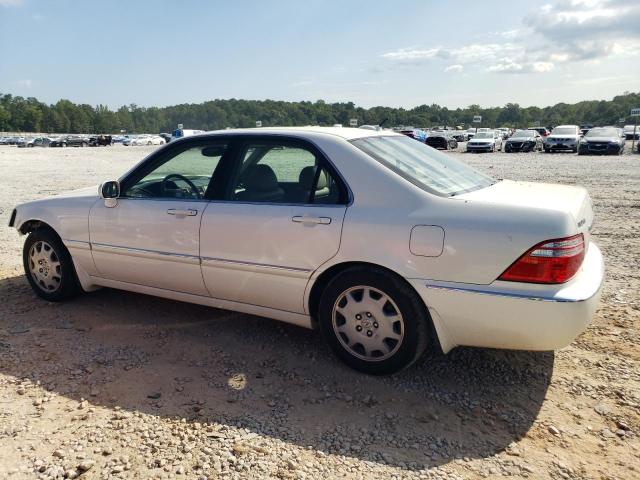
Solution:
(261, 256)
(152, 247)
(289, 317)
(499, 321)
(257, 260)
(427, 240)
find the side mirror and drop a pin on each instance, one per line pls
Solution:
(110, 189)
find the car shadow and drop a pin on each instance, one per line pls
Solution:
(206, 365)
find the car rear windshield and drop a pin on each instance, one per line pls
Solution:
(423, 166)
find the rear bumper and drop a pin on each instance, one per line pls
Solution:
(513, 315)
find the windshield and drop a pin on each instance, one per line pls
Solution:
(483, 135)
(564, 131)
(602, 132)
(423, 166)
(522, 134)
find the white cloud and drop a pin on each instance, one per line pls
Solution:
(11, 3)
(24, 83)
(457, 68)
(411, 54)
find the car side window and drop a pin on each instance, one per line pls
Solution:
(185, 175)
(274, 172)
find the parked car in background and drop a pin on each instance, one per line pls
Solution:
(100, 141)
(460, 135)
(630, 131)
(563, 138)
(523, 141)
(23, 142)
(146, 140)
(602, 141)
(488, 141)
(39, 142)
(70, 141)
(459, 258)
(166, 137)
(119, 138)
(470, 133)
(441, 140)
(543, 131)
(415, 133)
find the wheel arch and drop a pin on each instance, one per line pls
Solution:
(34, 224)
(321, 282)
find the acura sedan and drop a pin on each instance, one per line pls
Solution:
(386, 246)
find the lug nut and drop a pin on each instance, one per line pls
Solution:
(359, 328)
(358, 317)
(369, 333)
(375, 324)
(369, 314)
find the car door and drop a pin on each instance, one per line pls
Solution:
(280, 220)
(151, 236)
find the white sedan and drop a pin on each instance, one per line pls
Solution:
(486, 141)
(385, 245)
(146, 140)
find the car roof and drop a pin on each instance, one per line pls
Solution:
(346, 133)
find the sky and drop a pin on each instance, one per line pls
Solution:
(397, 54)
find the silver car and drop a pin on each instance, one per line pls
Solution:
(563, 138)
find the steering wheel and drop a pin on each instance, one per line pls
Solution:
(165, 180)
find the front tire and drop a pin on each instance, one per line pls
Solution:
(49, 267)
(373, 321)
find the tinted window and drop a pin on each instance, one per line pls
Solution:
(185, 175)
(423, 166)
(283, 173)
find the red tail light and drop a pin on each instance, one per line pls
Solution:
(552, 261)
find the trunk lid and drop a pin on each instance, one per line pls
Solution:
(544, 196)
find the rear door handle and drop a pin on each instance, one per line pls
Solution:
(183, 213)
(309, 219)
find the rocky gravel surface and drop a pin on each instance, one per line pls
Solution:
(116, 385)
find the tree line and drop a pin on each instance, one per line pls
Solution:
(18, 114)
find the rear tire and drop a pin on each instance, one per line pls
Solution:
(49, 267)
(373, 321)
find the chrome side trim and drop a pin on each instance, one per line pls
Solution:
(238, 263)
(520, 296)
(144, 253)
(79, 244)
(181, 257)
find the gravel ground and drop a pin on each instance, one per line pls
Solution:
(120, 385)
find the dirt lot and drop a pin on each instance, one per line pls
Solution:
(120, 385)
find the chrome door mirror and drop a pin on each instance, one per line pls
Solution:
(110, 191)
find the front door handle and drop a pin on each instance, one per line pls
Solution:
(309, 219)
(183, 213)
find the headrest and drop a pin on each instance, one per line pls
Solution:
(260, 178)
(307, 176)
